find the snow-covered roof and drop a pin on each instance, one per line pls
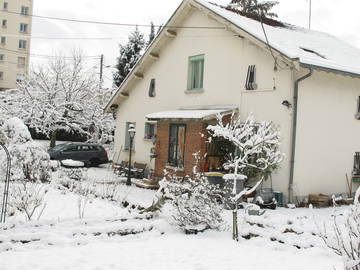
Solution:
(311, 47)
(186, 114)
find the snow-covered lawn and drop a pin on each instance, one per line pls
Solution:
(110, 236)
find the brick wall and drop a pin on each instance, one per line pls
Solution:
(194, 142)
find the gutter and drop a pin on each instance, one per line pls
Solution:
(294, 128)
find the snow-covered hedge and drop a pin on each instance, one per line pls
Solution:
(29, 160)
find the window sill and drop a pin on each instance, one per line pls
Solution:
(174, 168)
(194, 91)
(259, 90)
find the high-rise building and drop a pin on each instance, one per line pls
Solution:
(15, 37)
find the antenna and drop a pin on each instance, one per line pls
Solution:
(309, 14)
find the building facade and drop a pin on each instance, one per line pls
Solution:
(309, 90)
(15, 37)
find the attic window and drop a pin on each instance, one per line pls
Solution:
(311, 51)
(152, 88)
(250, 78)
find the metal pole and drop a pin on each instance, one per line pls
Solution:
(128, 181)
(7, 184)
(101, 69)
(310, 15)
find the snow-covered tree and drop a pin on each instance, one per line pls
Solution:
(29, 160)
(152, 33)
(62, 95)
(253, 7)
(129, 55)
(257, 151)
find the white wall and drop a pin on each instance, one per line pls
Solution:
(226, 61)
(328, 133)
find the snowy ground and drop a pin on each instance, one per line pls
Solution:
(111, 236)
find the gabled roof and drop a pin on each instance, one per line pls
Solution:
(307, 47)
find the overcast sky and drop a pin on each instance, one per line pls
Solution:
(339, 18)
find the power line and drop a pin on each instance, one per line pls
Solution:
(94, 57)
(111, 23)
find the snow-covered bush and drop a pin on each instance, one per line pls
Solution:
(29, 160)
(344, 236)
(195, 202)
(26, 197)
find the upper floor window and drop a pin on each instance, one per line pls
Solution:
(3, 40)
(152, 88)
(22, 44)
(6, 4)
(24, 10)
(2, 57)
(4, 23)
(1, 75)
(196, 72)
(21, 61)
(23, 27)
(251, 78)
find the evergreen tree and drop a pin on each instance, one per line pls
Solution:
(253, 7)
(152, 33)
(129, 55)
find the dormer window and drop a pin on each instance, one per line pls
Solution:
(251, 78)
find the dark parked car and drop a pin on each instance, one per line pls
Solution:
(90, 154)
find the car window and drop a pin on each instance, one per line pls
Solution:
(58, 147)
(85, 148)
(71, 148)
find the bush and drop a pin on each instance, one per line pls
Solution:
(195, 202)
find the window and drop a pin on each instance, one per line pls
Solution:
(196, 72)
(5, 5)
(24, 10)
(1, 75)
(250, 78)
(4, 23)
(3, 40)
(21, 61)
(150, 131)
(152, 88)
(23, 27)
(127, 136)
(177, 145)
(2, 57)
(22, 44)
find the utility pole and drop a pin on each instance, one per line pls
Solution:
(309, 14)
(101, 69)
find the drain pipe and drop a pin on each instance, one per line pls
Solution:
(294, 127)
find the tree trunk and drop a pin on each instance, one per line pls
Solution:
(53, 138)
(235, 225)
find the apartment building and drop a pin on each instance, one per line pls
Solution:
(15, 36)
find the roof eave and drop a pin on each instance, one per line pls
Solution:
(333, 70)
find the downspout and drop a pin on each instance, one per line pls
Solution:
(294, 127)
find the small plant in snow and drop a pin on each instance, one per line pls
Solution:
(26, 197)
(195, 201)
(257, 152)
(344, 236)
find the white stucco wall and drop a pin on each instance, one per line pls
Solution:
(328, 133)
(227, 58)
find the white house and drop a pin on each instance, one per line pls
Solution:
(208, 59)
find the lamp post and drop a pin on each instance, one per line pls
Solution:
(132, 132)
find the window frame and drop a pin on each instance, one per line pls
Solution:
(24, 10)
(20, 63)
(23, 28)
(22, 44)
(6, 5)
(2, 57)
(148, 135)
(193, 84)
(176, 162)
(1, 75)
(3, 40)
(4, 23)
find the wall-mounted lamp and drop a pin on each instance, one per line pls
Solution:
(286, 103)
